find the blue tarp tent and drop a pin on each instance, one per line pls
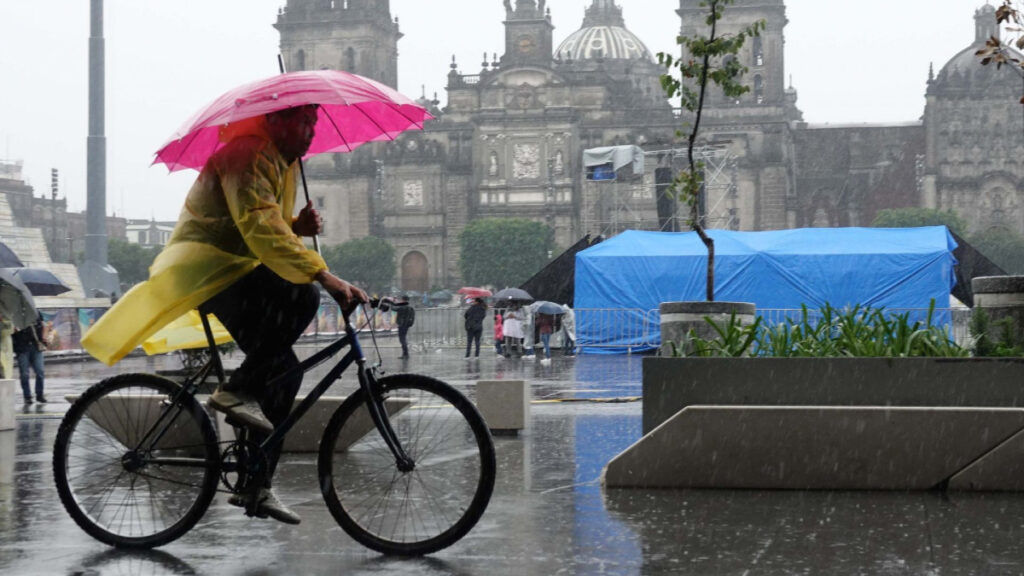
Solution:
(635, 271)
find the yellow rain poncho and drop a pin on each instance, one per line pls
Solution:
(236, 216)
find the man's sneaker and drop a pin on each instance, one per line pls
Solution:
(241, 407)
(269, 507)
(41, 399)
(28, 400)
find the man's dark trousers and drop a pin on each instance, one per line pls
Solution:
(403, 331)
(266, 314)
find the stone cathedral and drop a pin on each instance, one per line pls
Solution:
(509, 140)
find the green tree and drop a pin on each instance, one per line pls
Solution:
(1004, 247)
(131, 261)
(504, 251)
(369, 262)
(711, 58)
(914, 217)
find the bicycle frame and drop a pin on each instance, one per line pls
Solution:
(367, 382)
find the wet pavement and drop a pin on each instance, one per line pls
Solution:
(548, 514)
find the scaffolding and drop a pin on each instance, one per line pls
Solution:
(629, 202)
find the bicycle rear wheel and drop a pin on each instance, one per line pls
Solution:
(416, 512)
(127, 481)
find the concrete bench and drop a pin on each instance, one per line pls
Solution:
(504, 404)
(827, 447)
(8, 392)
(303, 437)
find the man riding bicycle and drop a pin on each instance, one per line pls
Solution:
(236, 252)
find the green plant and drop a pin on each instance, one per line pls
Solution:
(828, 333)
(1005, 344)
(705, 58)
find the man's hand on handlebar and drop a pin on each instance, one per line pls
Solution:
(345, 294)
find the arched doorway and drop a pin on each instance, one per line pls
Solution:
(415, 274)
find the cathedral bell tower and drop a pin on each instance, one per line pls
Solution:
(528, 34)
(357, 36)
(762, 55)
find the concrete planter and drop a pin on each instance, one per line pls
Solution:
(1001, 297)
(828, 423)
(671, 384)
(678, 318)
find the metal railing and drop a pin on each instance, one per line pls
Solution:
(634, 329)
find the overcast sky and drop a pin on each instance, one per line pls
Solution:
(859, 61)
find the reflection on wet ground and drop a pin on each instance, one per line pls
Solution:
(548, 516)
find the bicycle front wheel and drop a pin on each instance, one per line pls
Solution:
(133, 468)
(428, 508)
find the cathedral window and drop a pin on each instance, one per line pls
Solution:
(758, 51)
(350, 60)
(758, 89)
(300, 60)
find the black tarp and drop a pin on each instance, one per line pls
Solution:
(970, 264)
(556, 281)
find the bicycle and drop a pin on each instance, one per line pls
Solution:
(406, 464)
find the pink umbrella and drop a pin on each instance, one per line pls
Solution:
(353, 110)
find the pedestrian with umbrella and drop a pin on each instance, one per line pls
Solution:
(474, 316)
(29, 343)
(238, 252)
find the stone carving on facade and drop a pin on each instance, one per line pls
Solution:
(559, 163)
(412, 194)
(526, 161)
(492, 165)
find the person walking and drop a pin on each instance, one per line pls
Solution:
(28, 344)
(499, 332)
(513, 330)
(405, 317)
(546, 326)
(475, 324)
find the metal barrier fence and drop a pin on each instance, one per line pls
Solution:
(634, 329)
(629, 329)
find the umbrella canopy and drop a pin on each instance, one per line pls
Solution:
(16, 302)
(8, 259)
(474, 292)
(353, 111)
(512, 294)
(40, 282)
(545, 307)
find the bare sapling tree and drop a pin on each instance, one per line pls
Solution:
(704, 60)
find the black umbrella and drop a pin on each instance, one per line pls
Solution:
(40, 282)
(512, 294)
(8, 259)
(16, 302)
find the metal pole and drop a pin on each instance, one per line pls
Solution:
(96, 187)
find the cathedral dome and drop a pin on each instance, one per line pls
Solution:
(603, 35)
(985, 27)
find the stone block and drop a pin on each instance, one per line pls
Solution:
(812, 447)
(8, 392)
(504, 404)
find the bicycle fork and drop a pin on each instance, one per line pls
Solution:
(375, 403)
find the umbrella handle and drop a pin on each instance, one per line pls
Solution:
(302, 169)
(305, 189)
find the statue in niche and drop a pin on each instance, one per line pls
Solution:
(492, 166)
(559, 163)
